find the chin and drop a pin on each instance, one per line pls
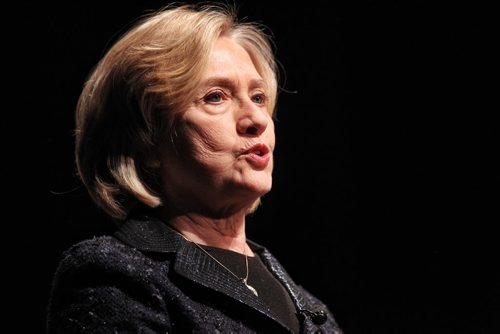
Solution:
(262, 187)
(254, 187)
(254, 206)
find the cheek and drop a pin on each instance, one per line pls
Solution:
(272, 134)
(202, 143)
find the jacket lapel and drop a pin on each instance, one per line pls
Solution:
(152, 235)
(195, 265)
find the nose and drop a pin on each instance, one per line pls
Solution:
(252, 120)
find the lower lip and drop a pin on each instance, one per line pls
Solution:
(258, 161)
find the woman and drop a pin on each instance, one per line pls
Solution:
(175, 140)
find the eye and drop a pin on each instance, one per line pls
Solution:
(259, 98)
(214, 97)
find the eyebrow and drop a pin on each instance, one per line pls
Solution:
(230, 83)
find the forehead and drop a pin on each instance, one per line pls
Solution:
(230, 59)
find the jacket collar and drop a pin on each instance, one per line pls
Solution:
(149, 234)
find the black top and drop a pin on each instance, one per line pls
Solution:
(272, 293)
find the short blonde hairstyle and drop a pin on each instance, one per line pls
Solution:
(138, 89)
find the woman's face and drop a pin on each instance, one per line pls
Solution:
(222, 154)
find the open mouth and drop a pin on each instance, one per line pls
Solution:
(258, 149)
(258, 155)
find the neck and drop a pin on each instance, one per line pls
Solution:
(228, 233)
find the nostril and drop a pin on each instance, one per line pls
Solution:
(251, 130)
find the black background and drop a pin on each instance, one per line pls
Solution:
(385, 195)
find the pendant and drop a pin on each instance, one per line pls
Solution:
(251, 288)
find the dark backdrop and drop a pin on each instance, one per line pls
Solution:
(385, 195)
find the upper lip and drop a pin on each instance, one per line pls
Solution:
(258, 149)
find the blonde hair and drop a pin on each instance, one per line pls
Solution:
(138, 89)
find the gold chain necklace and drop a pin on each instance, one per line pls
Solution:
(244, 280)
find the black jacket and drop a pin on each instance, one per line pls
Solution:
(148, 279)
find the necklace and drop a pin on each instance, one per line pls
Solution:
(243, 280)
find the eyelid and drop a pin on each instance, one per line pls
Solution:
(220, 91)
(260, 94)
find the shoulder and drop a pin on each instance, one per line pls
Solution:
(98, 250)
(103, 255)
(97, 247)
(104, 285)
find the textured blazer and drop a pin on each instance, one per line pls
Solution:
(146, 278)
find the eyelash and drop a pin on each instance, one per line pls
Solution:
(262, 96)
(217, 93)
(221, 95)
